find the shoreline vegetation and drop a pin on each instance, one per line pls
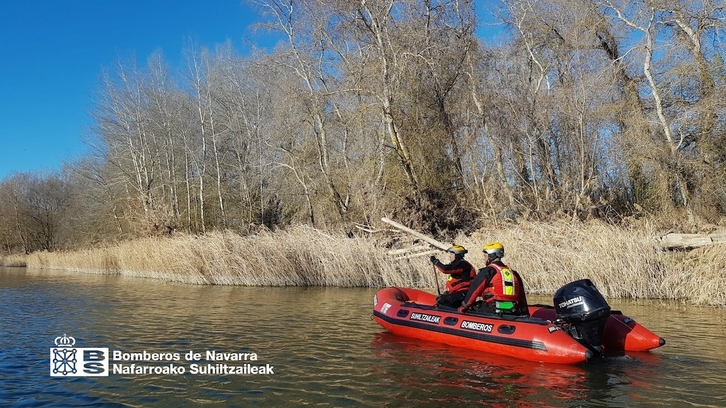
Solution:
(576, 151)
(623, 262)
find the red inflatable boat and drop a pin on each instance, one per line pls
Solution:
(579, 327)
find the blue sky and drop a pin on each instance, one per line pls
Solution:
(52, 53)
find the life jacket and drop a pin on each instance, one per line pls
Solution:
(505, 285)
(460, 282)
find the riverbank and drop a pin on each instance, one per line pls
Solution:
(622, 262)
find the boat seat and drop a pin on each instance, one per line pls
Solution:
(483, 310)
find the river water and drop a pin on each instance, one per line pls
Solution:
(312, 347)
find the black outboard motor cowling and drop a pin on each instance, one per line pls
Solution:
(584, 312)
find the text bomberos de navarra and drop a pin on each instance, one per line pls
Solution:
(217, 363)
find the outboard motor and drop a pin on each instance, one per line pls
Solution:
(583, 311)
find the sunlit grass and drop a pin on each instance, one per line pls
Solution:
(301, 256)
(623, 263)
(15, 260)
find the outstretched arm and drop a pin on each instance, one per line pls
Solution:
(478, 285)
(454, 268)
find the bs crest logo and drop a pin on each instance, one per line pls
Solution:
(68, 361)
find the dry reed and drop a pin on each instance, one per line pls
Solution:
(621, 262)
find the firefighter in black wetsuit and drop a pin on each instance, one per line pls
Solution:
(460, 272)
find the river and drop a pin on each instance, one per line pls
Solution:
(311, 347)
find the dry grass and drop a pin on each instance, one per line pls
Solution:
(16, 260)
(301, 256)
(623, 263)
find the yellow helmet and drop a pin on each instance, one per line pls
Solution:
(457, 250)
(494, 250)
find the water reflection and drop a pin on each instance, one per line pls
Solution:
(325, 348)
(453, 374)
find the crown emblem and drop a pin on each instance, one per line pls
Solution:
(64, 341)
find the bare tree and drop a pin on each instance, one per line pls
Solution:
(15, 226)
(308, 58)
(644, 18)
(375, 21)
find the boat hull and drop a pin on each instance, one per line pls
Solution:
(412, 313)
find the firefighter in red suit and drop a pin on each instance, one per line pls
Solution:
(500, 287)
(460, 272)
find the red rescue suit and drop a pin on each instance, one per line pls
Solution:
(460, 272)
(497, 282)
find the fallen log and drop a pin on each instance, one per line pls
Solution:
(416, 248)
(416, 255)
(416, 234)
(683, 241)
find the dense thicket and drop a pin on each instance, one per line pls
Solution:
(603, 109)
